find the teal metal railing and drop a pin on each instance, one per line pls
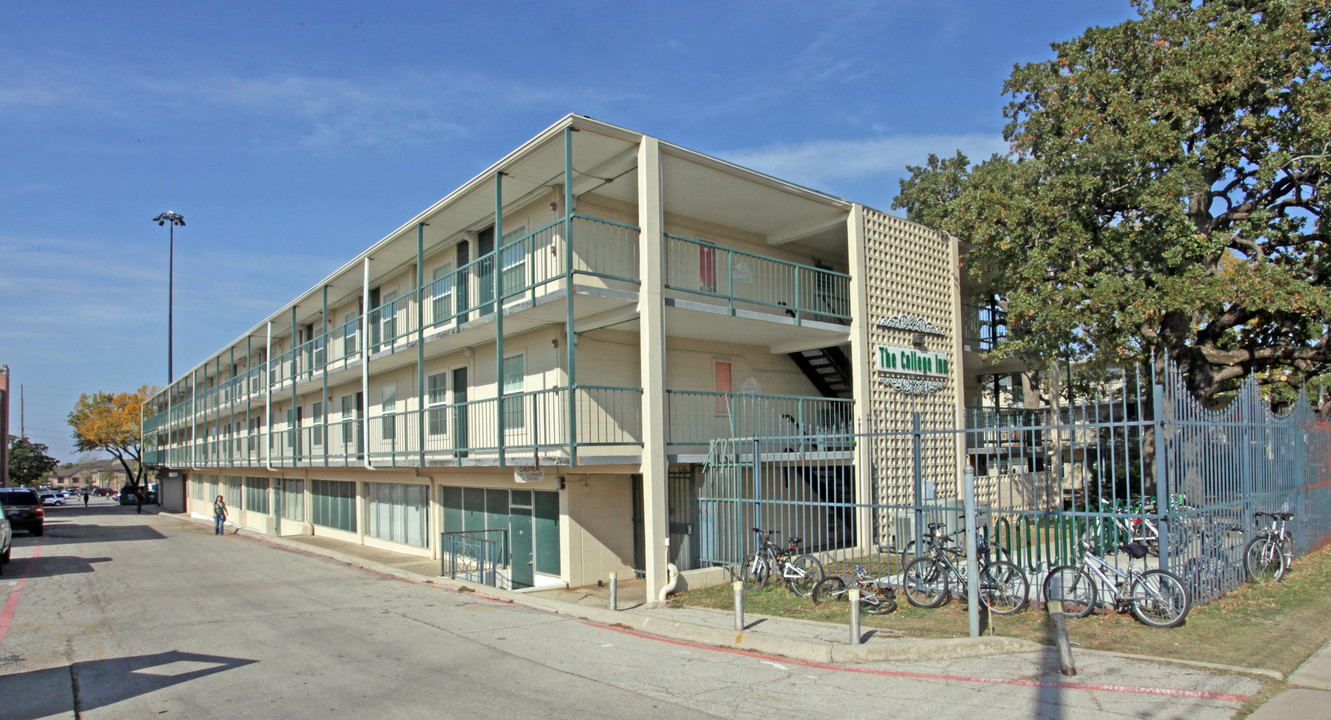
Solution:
(697, 418)
(744, 279)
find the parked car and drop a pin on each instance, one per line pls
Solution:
(23, 508)
(127, 496)
(6, 539)
(52, 498)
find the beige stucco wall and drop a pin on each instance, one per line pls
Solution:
(598, 534)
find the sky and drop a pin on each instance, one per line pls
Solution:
(293, 135)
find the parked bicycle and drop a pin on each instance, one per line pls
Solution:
(928, 579)
(800, 572)
(1156, 597)
(877, 597)
(1269, 554)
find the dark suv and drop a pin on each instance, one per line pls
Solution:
(24, 508)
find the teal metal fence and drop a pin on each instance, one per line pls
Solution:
(1137, 461)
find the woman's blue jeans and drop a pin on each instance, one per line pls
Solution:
(218, 522)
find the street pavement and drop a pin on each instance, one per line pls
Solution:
(119, 615)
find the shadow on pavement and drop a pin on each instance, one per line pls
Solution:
(59, 532)
(51, 565)
(86, 686)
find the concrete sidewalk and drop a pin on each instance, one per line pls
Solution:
(796, 639)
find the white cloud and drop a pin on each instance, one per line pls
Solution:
(824, 162)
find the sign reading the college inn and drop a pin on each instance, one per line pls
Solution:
(915, 372)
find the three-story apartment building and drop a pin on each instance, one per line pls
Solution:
(541, 359)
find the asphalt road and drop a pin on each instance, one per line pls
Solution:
(119, 615)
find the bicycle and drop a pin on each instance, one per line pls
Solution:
(1268, 555)
(801, 572)
(876, 597)
(926, 581)
(1157, 597)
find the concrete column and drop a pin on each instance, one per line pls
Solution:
(652, 351)
(861, 365)
(958, 350)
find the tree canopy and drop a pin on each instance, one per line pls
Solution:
(110, 422)
(1164, 194)
(28, 461)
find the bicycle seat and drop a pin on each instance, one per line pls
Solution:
(796, 540)
(1135, 550)
(1283, 516)
(934, 526)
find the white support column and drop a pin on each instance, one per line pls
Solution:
(365, 367)
(861, 368)
(268, 400)
(652, 352)
(958, 357)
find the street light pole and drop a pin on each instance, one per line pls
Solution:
(173, 219)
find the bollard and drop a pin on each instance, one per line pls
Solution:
(739, 606)
(614, 591)
(854, 595)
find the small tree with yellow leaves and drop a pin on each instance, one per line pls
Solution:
(110, 422)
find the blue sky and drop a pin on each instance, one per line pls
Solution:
(293, 135)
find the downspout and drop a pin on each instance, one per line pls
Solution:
(268, 401)
(672, 572)
(365, 366)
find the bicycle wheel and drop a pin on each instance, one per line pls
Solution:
(753, 573)
(1263, 561)
(1073, 587)
(1003, 587)
(877, 604)
(829, 589)
(925, 582)
(802, 574)
(1159, 599)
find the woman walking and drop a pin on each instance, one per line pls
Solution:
(219, 516)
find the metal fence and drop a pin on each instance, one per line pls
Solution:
(473, 555)
(1133, 460)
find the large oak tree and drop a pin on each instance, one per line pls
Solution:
(1164, 194)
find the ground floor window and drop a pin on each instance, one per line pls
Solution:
(198, 489)
(398, 513)
(293, 499)
(256, 495)
(334, 504)
(231, 489)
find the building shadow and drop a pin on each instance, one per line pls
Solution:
(85, 686)
(51, 565)
(57, 532)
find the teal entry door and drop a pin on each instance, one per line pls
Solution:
(520, 537)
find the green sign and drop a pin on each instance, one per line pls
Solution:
(909, 361)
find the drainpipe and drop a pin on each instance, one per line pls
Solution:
(268, 401)
(365, 365)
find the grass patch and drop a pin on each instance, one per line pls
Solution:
(1275, 627)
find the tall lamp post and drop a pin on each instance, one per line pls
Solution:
(173, 219)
